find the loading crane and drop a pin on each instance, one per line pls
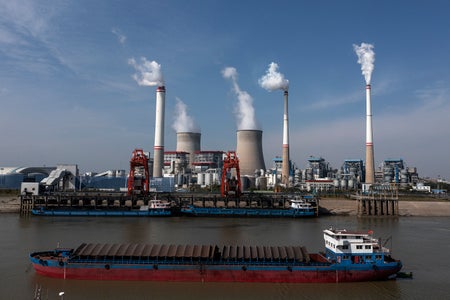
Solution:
(139, 178)
(231, 185)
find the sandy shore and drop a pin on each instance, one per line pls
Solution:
(11, 204)
(406, 208)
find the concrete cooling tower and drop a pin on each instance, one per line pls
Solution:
(188, 142)
(249, 150)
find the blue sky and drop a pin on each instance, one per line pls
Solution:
(68, 95)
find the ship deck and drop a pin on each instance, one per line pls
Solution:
(187, 254)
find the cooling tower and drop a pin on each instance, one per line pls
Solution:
(158, 148)
(285, 154)
(370, 170)
(249, 150)
(188, 142)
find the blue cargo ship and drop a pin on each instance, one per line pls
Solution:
(349, 256)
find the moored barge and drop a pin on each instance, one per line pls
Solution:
(348, 257)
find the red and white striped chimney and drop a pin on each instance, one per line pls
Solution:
(285, 156)
(370, 169)
(158, 149)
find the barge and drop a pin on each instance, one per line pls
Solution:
(298, 208)
(155, 208)
(349, 256)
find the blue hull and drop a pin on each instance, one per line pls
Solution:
(103, 213)
(247, 212)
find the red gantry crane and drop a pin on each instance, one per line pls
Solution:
(139, 178)
(231, 185)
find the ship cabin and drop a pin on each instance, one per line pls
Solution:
(350, 247)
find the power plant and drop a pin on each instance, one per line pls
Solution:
(190, 165)
(158, 160)
(250, 152)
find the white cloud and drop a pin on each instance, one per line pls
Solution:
(120, 36)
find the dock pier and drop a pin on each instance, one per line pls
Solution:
(117, 200)
(381, 200)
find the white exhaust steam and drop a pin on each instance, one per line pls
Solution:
(366, 57)
(273, 80)
(245, 112)
(149, 72)
(183, 121)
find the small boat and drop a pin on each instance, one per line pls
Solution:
(349, 256)
(154, 208)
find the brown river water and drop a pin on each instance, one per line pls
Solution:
(422, 243)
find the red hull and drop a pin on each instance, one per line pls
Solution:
(285, 276)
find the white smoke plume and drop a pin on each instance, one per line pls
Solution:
(183, 121)
(366, 57)
(245, 113)
(149, 72)
(273, 80)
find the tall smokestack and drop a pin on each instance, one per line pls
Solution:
(370, 170)
(285, 157)
(273, 80)
(158, 148)
(249, 151)
(366, 57)
(188, 142)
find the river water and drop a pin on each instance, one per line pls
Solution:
(422, 243)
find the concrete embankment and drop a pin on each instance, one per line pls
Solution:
(333, 206)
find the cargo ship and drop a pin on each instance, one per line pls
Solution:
(155, 208)
(298, 207)
(349, 256)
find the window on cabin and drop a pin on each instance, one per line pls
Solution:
(368, 247)
(345, 247)
(358, 246)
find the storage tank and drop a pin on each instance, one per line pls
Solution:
(336, 183)
(262, 183)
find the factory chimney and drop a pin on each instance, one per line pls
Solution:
(188, 142)
(285, 157)
(158, 148)
(249, 151)
(370, 170)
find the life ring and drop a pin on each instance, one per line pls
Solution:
(107, 267)
(61, 263)
(244, 268)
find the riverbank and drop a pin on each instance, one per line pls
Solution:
(332, 206)
(423, 208)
